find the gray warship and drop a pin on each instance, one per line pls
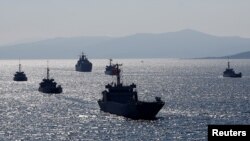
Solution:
(229, 72)
(122, 100)
(83, 64)
(49, 85)
(20, 75)
(111, 69)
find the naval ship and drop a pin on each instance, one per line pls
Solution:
(20, 75)
(49, 85)
(83, 64)
(122, 100)
(111, 69)
(229, 72)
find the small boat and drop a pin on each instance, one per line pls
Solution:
(229, 72)
(111, 69)
(20, 75)
(83, 64)
(49, 85)
(122, 100)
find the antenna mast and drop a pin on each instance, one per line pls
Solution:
(47, 69)
(19, 65)
(118, 74)
(228, 63)
(110, 60)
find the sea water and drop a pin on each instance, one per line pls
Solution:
(194, 91)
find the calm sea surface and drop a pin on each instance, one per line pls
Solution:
(195, 93)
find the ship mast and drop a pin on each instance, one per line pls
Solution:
(118, 74)
(19, 65)
(110, 60)
(228, 63)
(83, 56)
(47, 69)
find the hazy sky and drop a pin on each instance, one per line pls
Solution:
(27, 20)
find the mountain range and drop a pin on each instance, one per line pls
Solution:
(181, 44)
(242, 55)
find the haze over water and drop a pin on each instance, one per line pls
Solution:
(195, 93)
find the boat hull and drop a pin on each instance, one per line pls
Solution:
(20, 76)
(107, 72)
(137, 110)
(20, 79)
(50, 90)
(87, 68)
(238, 75)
